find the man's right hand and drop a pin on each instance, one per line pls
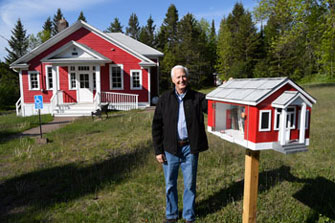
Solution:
(160, 158)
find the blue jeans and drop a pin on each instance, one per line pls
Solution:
(188, 163)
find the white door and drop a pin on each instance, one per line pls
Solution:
(290, 124)
(85, 92)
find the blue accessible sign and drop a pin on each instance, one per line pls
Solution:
(38, 101)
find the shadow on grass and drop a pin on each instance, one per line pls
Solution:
(318, 194)
(6, 136)
(30, 193)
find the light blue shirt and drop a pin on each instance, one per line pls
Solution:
(181, 127)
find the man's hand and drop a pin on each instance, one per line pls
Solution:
(160, 158)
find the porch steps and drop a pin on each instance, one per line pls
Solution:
(292, 147)
(74, 110)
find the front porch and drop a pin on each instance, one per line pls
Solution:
(115, 101)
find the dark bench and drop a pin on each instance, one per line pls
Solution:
(99, 111)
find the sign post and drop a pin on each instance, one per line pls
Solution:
(250, 186)
(39, 105)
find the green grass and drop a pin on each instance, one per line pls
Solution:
(10, 124)
(105, 171)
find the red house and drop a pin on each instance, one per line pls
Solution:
(81, 68)
(261, 113)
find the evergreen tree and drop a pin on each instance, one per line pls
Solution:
(18, 43)
(224, 50)
(115, 26)
(147, 33)
(133, 29)
(58, 16)
(168, 30)
(9, 82)
(45, 34)
(82, 17)
(47, 25)
(192, 49)
(238, 31)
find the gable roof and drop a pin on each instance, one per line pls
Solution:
(288, 98)
(136, 45)
(66, 32)
(252, 91)
(85, 54)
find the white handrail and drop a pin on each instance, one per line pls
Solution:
(53, 103)
(18, 107)
(56, 100)
(120, 101)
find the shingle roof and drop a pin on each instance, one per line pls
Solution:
(135, 45)
(251, 90)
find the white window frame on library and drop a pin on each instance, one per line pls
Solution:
(75, 77)
(47, 77)
(38, 80)
(131, 80)
(276, 120)
(110, 77)
(260, 121)
(306, 120)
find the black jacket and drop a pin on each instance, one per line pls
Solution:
(164, 125)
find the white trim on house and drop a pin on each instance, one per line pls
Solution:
(47, 77)
(111, 80)
(70, 72)
(132, 80)
(149, 85)
(260, 121)
(66, 32)
(276, 121)
(21, 88)
(264, 96)
(60, 56)
(38, 80)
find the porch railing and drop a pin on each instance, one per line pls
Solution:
(56, 101)
(18, 106)
(120, 101)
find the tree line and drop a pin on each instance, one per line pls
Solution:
(292, 38)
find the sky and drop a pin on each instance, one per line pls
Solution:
(100, 13)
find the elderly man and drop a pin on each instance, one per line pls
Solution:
(179, 135)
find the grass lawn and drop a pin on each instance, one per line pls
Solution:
(10, 124)
(105, 171)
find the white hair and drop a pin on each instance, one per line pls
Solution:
(179, 67)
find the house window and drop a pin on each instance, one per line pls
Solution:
(73, 83)
(94, 81)
(136, 79)
(290, 118)
(116, 77)
(34, 82)
(49, 77)
(81, 68)
(264, 120)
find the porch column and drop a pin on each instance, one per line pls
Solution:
(282, 129)
(302, 123)
(98, 82)
(149, 85)
(55, 78)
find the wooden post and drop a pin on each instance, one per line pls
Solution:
(250, 186)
